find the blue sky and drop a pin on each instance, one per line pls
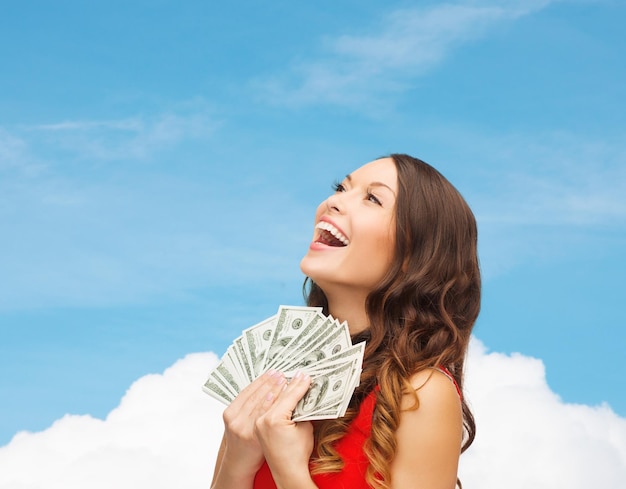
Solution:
(160, 164)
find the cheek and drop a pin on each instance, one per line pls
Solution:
(382, 248)
(386, 247)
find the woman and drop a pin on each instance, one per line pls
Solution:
(393, 254)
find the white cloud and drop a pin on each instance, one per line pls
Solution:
(527, 437)
(134, 138)
(165, 433)
(407, 42)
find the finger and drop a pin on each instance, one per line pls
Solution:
(256, 392)
(271, 394)
(292, 393)
(256, 385)
(243, 412)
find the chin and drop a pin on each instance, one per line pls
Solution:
(312, 267)
(303, 266)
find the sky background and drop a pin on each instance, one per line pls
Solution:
(161, 162)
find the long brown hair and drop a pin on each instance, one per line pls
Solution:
(420, 316)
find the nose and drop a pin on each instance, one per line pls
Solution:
(334, 204)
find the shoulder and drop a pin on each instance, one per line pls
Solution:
(434, 386)
(438, 403)
(429, 437)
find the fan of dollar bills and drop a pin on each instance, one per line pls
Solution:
(295, 339)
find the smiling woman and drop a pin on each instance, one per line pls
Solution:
(361, 217)
(394, 253)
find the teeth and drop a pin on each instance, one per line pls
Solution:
(333, 230)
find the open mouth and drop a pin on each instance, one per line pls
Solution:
(330, 235)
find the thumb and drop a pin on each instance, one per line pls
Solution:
(292, 393)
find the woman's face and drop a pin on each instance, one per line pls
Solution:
(354, 236)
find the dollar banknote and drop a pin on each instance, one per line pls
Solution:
(294, 339)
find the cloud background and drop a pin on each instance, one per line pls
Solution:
(160, 164)
(166, 432)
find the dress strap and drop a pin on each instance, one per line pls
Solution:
(447, 373)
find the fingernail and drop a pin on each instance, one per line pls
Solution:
(297, 375)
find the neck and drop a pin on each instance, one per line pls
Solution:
(351, 310)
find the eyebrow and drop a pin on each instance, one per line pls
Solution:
(374, 184)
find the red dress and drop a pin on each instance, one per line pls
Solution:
(350, 447)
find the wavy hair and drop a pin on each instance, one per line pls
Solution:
(420, 316)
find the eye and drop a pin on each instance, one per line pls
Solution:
(372, 198)
(338, 187)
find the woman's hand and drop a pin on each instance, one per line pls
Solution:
(287, 445)
(243, 455)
